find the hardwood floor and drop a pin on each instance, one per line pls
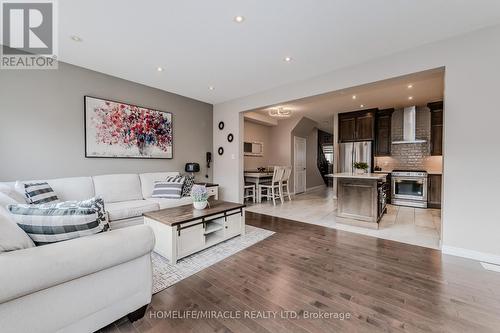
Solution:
(308, 269)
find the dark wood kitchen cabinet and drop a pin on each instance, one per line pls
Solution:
(357, 126)
(434, 187)
(436, 128)
(383, 139)
(347, 128)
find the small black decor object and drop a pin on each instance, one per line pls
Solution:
(192, 167)
(230, 137)
(221, 125)
(209, 158)
(220, 150)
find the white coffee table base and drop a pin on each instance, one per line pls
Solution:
(181, 240)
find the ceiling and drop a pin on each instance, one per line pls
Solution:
(423, 87)
(198, 44)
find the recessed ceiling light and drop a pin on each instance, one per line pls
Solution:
(410, 86)
(159, 69)
(354, 97)
(211, 87)
(239, 19)
(362, 106)
(288, 59)
(76, 38)
(410, 98)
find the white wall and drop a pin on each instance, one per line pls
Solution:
(471, 217)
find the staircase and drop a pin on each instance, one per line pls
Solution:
(325, 148)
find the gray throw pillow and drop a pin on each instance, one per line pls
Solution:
(49, 223)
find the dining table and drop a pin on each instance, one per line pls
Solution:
(257, 177)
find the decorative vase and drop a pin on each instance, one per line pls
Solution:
(145, 149)
(359, 171)
(200, 204)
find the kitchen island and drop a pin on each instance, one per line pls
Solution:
(360, 198)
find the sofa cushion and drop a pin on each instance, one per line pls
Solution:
(128, 209)
(40, 193)
(169, 203)
(148, 179)
(11, 236)
(67, 189)
(119, 187)
(49, 223)
(31, 270)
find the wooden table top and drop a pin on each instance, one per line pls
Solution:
(207, 184)
(186, 213)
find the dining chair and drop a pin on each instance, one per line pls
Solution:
(284, 184)
(249, 192)
(272, 189)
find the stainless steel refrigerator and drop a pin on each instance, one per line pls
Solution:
(351, 152)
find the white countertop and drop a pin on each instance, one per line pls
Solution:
(430, 172)
(257, 174)
(375, 176)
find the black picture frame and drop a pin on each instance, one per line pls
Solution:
(123, 157)
(220, 151)
(230, 137)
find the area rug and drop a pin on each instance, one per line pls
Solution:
(165, 274)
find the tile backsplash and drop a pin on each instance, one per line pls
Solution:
(411, 156)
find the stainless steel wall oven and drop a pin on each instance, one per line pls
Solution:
(409, 188)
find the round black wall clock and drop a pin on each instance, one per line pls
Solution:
(221, 125)
(230, 137)
(220, 150)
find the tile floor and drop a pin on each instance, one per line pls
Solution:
(403, 224)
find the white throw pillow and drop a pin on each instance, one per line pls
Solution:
(11, 236)
(12, 192)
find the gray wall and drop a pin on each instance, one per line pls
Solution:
(313, 176)
(42, 129)
(307, 128)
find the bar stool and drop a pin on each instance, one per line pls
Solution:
(249, 192)
(272, 188)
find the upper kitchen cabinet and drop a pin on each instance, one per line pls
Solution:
(436, 127)
(383, 139)
(357, 126)
(347, 127)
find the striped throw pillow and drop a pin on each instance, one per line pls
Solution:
(171, 188)
(40, 193)
(49, 223)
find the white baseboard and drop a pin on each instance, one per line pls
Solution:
(471, 254)
(315, 188)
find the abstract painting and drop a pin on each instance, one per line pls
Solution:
(114, 129)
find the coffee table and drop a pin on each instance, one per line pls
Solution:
(181, 231)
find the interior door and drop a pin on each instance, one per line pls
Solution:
(299, 164)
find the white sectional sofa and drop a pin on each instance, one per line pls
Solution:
(86, 283)
(126, 196)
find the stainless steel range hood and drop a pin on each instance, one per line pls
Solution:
(409, 126)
